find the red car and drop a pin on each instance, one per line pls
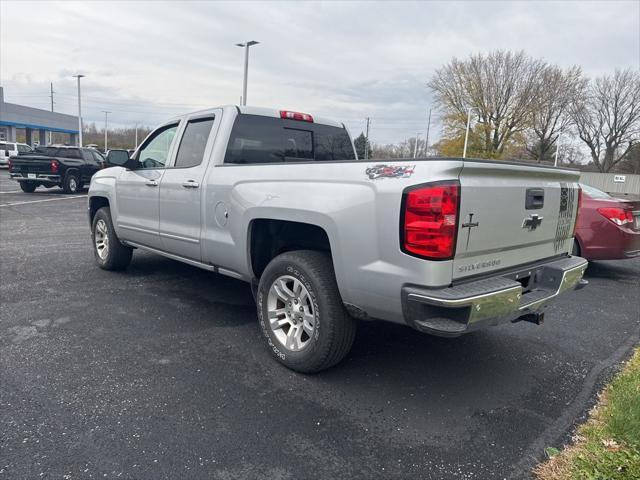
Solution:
(607, 228)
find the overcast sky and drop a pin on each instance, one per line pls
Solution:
(147, 61)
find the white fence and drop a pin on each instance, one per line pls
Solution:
(612, 182)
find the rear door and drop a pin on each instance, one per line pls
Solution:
(512, 215)
(181, 187)
(137, 190)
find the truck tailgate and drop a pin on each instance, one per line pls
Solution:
(31, 164)
(512, 215)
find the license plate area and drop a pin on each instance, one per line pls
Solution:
(32, 175)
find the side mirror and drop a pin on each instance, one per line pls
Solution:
(119, 158)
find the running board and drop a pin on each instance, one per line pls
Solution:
(188, 261)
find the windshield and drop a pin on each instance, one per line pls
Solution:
(594, 192)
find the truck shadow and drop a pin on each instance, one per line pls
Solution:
(626, 271)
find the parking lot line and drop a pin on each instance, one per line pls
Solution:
(12, 191)
(39, 201)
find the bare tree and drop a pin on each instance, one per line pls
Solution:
(550, 116)
(499, 87)
(607, 117)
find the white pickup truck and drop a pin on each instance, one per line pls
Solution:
(278, 199)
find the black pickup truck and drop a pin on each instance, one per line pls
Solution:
(66, 167)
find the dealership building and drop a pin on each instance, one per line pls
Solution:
(35, 122)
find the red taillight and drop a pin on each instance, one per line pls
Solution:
(54, 166)
(617, 215)
(575, 224)
(9, 165)
(430, 220)
(304, 117)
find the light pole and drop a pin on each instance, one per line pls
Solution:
(555, 162)
(415, 146)
(79, 76)
(106, 113)
(426, 146)
(136, 135)
(466, 135)
(246, 46)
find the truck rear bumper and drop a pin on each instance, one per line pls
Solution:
(41, 178)
(459, 309)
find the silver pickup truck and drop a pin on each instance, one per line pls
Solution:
(279, 199)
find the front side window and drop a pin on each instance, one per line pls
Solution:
(97, 156)
(193, 143)
(156, 150)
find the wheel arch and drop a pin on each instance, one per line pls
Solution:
(268, 238)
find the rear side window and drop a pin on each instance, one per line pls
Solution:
(69, 153)
(193, 143)
(7, 146)
(260, 139)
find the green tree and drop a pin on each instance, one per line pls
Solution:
(361, 143)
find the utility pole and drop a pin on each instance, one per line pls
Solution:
(415, 146)
(79, 76)
(426, 146)
(106, 124)
(52, 102)
(136, 135)
(466, 135)
(246, 46)
(366, 142)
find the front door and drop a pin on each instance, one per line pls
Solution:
(138, 190)
(181, 188)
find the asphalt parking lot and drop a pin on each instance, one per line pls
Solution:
(160, 372)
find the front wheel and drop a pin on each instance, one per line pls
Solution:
(301, 313)
(110, 254)
(28, 187)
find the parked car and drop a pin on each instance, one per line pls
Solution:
(12, 149)
(608, 227)
(66, 167)
(278, 199)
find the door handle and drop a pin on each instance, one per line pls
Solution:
(151, 183)
(190, 184)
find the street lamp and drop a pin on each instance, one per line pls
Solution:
(79, 76)
(555, 162)
(246, 46)
(106, 113)
(466, 135)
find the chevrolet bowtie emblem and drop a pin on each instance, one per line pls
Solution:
(533, 222)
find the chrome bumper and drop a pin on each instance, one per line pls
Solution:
(456, 310)
(40, 177)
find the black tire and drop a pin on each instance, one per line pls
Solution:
(118, 256)
(28, 187)
(70, 184)
(334, 330)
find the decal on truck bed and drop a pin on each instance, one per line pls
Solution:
(565, 218)
(390, 171)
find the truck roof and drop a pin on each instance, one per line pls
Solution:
(263, 111)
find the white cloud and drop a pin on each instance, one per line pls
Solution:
(147, 61)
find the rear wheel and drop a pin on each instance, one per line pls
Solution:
(70, 183)
(28, 187)
(301, 313)
(110, 254)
